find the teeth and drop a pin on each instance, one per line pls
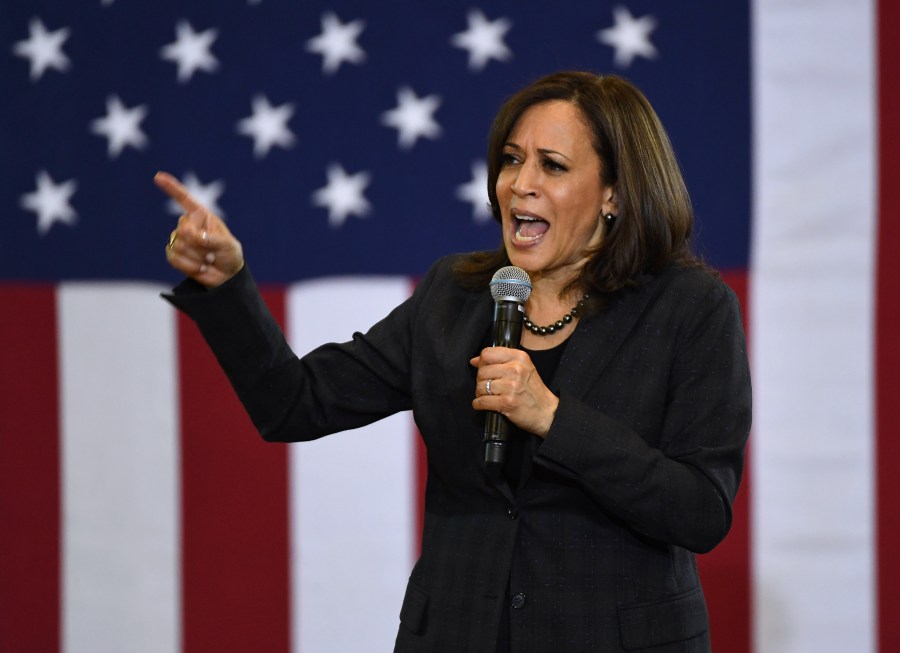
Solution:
(526, 239)
(521, 220)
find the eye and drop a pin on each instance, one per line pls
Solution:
(508, 158)
(554, 166)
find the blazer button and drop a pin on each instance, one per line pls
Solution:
(513, 513)
(518, 601)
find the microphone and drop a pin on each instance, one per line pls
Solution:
(510, 288)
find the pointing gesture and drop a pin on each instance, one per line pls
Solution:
(200, 246)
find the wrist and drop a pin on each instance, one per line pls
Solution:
(550, 415)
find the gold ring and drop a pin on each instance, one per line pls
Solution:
(172, 237)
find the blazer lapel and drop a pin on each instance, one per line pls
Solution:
(594, 344)
(597, 339)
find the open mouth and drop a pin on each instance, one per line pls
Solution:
(529, 228)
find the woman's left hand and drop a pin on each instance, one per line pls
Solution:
(516, 390)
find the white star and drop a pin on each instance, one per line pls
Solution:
(207, 194)
(191, 51)
(122, 126)
(267, 126)
(475, 192)
(412, 117)
(337, 43)
(483, 39)
(629, 36)
(343, 195)
(43, 49)
(50, 201)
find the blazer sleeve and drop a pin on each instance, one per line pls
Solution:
(679, 491)
(335, 387)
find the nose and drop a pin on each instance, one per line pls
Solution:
(525, 181)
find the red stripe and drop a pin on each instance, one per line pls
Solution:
(235, 519)
(887, 343)
(420, 479)
(725, 571)
(29, 472)
(421, 475)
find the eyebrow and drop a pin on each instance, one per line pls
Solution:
(541, 150)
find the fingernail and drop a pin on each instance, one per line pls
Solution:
(203, 268)
(210, 258)
(203, 236)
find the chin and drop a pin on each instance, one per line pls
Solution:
(527, 263)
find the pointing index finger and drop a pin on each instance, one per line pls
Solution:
(176, 190)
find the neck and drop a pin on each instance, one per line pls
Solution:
(551, 282)
(547, 294)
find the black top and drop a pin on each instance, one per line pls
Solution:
(521, 444)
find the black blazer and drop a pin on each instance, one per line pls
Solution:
(639, 469)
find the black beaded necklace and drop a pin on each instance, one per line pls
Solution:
(559, 324)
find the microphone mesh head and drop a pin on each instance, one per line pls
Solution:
(511, 284)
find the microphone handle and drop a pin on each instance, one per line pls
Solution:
(508, 316)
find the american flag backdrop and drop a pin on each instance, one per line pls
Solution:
(344, 143)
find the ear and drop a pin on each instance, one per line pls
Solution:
(611, 200)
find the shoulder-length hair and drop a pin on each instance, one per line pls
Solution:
(655, 218)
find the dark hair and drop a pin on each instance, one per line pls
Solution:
(655, 218)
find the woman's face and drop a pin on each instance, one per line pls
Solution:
(550, 193)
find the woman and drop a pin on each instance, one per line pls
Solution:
(631, 410)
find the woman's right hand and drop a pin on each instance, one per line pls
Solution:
(200, 246)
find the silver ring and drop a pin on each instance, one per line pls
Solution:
(487, 386)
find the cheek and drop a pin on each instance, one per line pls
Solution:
(584, 216)
(588, 199)
(502, 187)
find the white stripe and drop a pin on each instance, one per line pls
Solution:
(352, 494)
(812, 321)
(119, 470)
